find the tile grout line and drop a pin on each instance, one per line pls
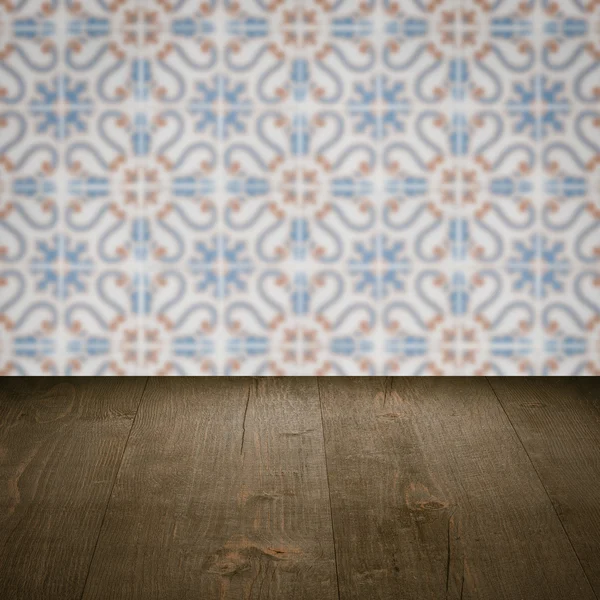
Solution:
(378, 332)
(337, 575)
(543, 486)
(459, 110)
(62, 195)
(538, 195)
(221, 180)
(297, 114)
(141, 103)
(112, 489)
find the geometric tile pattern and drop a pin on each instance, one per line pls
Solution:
(309, 187)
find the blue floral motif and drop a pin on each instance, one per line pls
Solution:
(380, 266)
(548, 116)
(221, 106)
(220, 265)
(62, 266)
(379, 107)
(61, 106)
(539, 266)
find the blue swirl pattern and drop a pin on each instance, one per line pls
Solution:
(290, 187)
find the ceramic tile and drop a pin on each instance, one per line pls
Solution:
(299, 187)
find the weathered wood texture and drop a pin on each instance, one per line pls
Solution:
(222, 494)
(61, 442)
(434, 497)
(558, 422)
(217, 488)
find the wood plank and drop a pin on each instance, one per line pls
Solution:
(222, 494)
(434, 497)
(61, 442)
(589, 387)
(558, 422)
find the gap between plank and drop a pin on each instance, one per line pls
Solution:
(245, 413)
(113, 487)
(337, 575)
(543, 486)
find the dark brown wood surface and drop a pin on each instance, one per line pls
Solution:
(61, 443)
(559, 426)
(433, 496)
(298, 488)
(222, 494)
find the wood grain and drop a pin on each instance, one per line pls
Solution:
(433, 496)
(558, 422)
(222, 494)
(61, 442)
